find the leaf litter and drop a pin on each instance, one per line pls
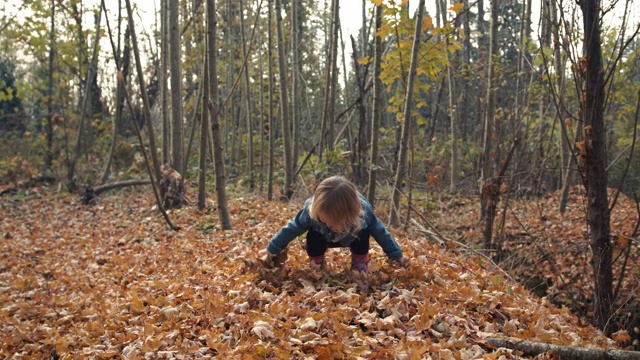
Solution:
(110, 281)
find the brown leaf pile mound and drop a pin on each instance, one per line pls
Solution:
(111, 281)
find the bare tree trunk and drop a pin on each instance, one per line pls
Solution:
(76, 14)
(146, 160)
(261, 126)
(123, 59)
(296, 70)
(177, 136)
(595, 167)
(483, 59)
(394, 215)
(467, 82)
(136, 127)
(377, 108)
(334, 76)
(284, 106)
(361, 152)
(162, 77)
(531, 348)
(229, 133)
(194, 119)
(488, 190)
(271, 85)
(212, 102)
(452, 112)
(48, 155)
(410, 177)
(325, 138)
(248, 110)
(85, 100)
(143, 91)
(566, 158)
(204, 130)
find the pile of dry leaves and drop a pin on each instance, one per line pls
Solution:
(112, 281)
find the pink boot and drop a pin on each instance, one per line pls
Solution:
(359, 262)
(317, 260)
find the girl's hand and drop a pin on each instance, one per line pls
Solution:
(265, 257)
(271, 260)
(404, 261)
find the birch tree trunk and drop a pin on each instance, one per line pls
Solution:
(394, 215)
(212, 103)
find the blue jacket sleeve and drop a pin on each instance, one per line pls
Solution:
(296, 227)
(380, 233)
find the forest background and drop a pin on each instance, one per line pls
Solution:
(429, 111)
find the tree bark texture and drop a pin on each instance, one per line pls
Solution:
(296, 68)
(175, 51)
(360, 159)
(325, 139)
(271, 85)
(595, 167)
(48, 155)
(247, 97)
(204, 130)
(212, 102)
(162, 78)
(488, 208)
(123, 62)
(143, 92)
(377, 108)
(531, 348)
(394, 215)
(284, 106)
(84, 104)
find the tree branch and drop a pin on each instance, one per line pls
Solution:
(531, 348)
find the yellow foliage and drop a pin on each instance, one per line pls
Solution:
(457, 7)
(364, 60)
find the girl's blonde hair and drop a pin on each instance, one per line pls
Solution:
(337, 198)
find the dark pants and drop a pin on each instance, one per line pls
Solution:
(317, 244)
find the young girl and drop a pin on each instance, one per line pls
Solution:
(336, 216)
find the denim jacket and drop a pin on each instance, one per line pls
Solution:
(303, 223)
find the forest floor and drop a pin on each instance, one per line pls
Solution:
(111, 280)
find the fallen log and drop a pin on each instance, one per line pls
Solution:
(91, 193)
(531, 348)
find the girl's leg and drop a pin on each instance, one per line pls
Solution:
(360, 252)
(316, 247)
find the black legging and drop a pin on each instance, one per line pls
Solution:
(317, 244)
